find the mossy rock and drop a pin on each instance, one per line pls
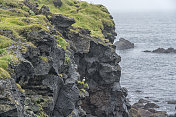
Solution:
(6, 63)
(87, 16)
(4, 74)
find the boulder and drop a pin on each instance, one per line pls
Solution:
(123, 44)
(57, 3)
(143, 101)
(45, 10)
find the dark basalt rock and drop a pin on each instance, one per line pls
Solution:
(11, 104)
(162, 50)
(109, 32)
(41, 81)
(145, 108)
(143, 101)
(151, 105)
(171, 102)
(7, 33)
(101, 70)
(33, 6)
(123, 44)
(79, 41)
(61, 22)
(45, 10)
(57, 3)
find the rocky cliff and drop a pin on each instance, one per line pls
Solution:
(57, 60)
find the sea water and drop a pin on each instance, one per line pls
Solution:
(149, 76)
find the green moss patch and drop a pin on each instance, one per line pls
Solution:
(6, 63)
(87, 16)
(4, 74)
(17, 25)
(61, 42)
(19, 88)
(5, 42)
(45, 59)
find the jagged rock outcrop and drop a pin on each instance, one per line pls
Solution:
(109, 32)
(62, 70)
(11, 103)
(61, 22)
(102, 72)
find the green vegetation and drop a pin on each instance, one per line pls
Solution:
(83, 87)
(5, 42)
(88, 16)
(19, 19)
(66, 59)
(6, 63)
(61, 42)
(18, 26)
(3, 52)
(20, 89)
(4, 74)
(45, 59)
(6, 60)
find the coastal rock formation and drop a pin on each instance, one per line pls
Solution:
(123, 44)
(144, 108)
(162, 50)
(51, 66)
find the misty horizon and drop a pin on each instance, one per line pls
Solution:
(137, 5)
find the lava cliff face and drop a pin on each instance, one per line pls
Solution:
(56, 68)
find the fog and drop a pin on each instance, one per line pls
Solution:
(137, 5)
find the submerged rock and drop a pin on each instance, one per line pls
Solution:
(123, 44)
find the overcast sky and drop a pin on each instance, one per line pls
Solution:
(137, 5)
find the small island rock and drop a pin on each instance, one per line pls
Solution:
(123, 44)
(162, 50)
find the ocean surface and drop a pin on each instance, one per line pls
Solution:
(149, 76)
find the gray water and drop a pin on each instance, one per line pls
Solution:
(148, 75)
